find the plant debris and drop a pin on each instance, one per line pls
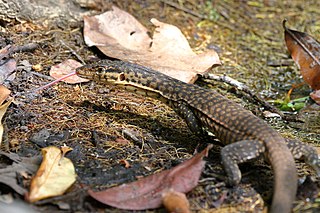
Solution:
(147, 192)
(247, 35)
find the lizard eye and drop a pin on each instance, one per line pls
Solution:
(100, 70)
(122, 77)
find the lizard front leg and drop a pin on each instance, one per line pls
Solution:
(184, 111)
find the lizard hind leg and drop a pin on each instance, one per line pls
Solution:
(304, 151)
(239, 152)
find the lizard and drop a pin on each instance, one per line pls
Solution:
(244, 135)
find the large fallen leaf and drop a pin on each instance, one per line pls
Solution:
(119, 35)
(55, 175)
(66, 67)
(19, 166)
(305, 51)
(3, 109)
(147, 192)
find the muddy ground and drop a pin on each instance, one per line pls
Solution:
(98, 121)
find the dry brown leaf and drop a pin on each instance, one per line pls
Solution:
(68, 66)
(315, 95)
(175, 202)
(3, 109)
(305, 51)
(119, 35)
(146, 193)
(22, 166)
(55, 175)
(4, 93)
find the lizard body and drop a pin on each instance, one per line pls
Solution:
(244, 135)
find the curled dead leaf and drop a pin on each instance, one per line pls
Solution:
(305, 51)
(55, 175)
(3, 109)
(315, 95)
(4, 93)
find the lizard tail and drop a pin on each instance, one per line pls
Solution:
(285, 176)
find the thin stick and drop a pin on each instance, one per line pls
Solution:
(183, 9)
(242, 87)
(73, 52)
(9, 49)
(42, 75)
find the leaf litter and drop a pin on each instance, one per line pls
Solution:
(233, 57)
(21, 166)
(148, 192)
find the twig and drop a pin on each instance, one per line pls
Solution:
(73, 52)
(25, 48)
(131, 135)
(9, 49)
(183, 9)
(242, 87)
(42, 76)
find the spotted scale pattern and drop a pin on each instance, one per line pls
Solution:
(245, 135)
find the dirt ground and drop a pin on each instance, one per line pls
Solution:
(105, 125)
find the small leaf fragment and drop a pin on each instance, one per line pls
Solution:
(3, 109)
(315, 95)
(125, 163)
(146, 193)
(65, 149)
(4, 93)
(305, 52)
(68, 66)
(55, 175)
(175, 202)
(7, 68)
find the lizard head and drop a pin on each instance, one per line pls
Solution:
(103, 71)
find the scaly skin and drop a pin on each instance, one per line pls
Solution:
(245, 136)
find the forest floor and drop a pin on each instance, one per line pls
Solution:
(95, 119)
